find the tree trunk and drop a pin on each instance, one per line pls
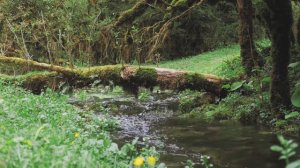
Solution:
(280, 28)
(249, 55)
(130, 77)
(298, 31)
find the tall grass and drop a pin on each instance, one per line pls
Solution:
(44, 131)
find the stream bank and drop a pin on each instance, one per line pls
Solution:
(156, 121)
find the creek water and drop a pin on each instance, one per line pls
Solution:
(230, 144)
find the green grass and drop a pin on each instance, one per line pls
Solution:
(45, 131)
(208, 62)
(223, 62)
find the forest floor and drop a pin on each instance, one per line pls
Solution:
(208, 62)
(222, 62)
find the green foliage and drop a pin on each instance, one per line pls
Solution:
(44, 131)
(187, 100)
(292, 115)
(146, 77)
(178, 2)
(206, 62)
(231, 68)
(296, 95)
(207, 27)
(205, 161)
(236, 85)
(281, 124)
(287, 149)
(52, 29)
(234, 106)
(144, 95)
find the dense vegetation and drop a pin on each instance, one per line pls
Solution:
(255, 82)
(45, 131)
(53, 31)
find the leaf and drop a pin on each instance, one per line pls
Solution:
(294, 65)
(295, 164)
(227, 86)
(292, 115)
(281, 139)
(298, 82)
(113, 148)
(266, 80)
(291, 154)
(236, 85)
(135, 141)
(294, 145)
(296, 97)
(276, 148)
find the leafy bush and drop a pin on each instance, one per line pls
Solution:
(287, 150)
(231, 68)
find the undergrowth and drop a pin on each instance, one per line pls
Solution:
(44, 131)
(234, 106)
(247, 100)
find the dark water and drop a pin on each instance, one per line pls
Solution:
(229, 143)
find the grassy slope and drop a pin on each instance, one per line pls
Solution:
(208, 62)
(45, 131)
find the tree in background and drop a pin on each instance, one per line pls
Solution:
(249, 55)
(281, 20)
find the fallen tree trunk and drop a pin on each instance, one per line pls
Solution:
(36, 65)
(129, 77)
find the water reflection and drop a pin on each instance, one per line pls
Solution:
(230, 144)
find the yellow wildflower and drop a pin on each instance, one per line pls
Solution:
(77, 135)
(139, 161)
(151, 160)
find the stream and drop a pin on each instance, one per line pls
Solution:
(230, 144)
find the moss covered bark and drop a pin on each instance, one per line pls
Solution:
(138, 9)
(130, 77)
(249, 55)
(298, 31)
(36, 65)
(280, 28)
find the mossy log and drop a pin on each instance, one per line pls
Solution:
(130, 77)
(36, 65)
